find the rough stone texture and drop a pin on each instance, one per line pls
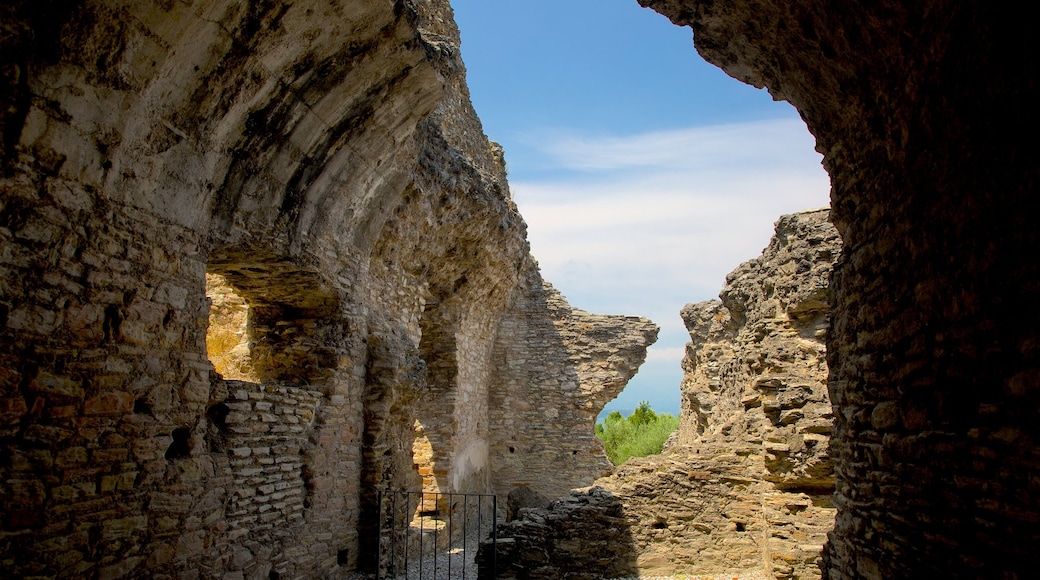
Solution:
(920, 111)
(755, 370)
(298, 149)
(556, 368)
(584, 535)
(676, 514)
(227, 337)
(744, 487)
(323, 159)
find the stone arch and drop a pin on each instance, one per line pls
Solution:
(266, 428)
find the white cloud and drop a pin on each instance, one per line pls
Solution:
(669, 354)
(711, 146)
(646, 223)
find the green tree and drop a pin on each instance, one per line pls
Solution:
(643, 415)
(643, 433)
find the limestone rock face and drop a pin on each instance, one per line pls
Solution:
(321, 163)
(744, 487)
(755, 369)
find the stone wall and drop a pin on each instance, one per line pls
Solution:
(323, 160)
(556, 368)
(745, 485)
(322, 157)
(919, 111)
(755, 370)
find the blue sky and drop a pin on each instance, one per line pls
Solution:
(645, 174)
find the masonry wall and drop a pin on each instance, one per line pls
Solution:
(323, 159)
(556, 367)
(745, 486)
(919, 111)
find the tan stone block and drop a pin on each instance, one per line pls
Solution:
(71, 457)
(12, 407)
(117, 455)
(58, 385)
(109, 403)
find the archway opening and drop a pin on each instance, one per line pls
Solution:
(643, 180)
(227, 337)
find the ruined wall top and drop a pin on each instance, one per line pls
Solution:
(744, 486)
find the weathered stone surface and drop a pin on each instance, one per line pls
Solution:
(318, 166)
(744, 486)
(584, 535)
(918, 110)
(556, 368)
(298, 148)
(755, 369)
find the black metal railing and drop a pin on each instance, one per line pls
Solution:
(429, 536)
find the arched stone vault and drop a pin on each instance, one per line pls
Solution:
(324, 156)
(324, 159)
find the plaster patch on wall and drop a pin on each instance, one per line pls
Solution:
(471, 460)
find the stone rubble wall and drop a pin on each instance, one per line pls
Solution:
(681, 515)
(556, 368)
(755, 369)
(264, 434)
(918, 111)
(324, 160)
(583, 535)
(745, 485)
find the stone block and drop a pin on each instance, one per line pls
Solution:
(170, 503)
(73, 456)
(48, 383)
(116, 455)
(121, 569)
(123, 527)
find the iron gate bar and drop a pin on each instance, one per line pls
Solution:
(388, 561)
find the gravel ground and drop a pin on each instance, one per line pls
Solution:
(456, 562)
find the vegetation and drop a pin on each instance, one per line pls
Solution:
(640, 434)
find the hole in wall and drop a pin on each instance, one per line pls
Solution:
(343, 557)
(638, 132)
(741, 527)
(218, 414)
(227, 337)
(141, 407)
(180, 448)
(423, 459)
(216, 436)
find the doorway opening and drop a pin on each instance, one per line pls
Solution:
(227, 337)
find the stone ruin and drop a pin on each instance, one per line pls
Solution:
(303, 189)
(745, 485)
(322, 158)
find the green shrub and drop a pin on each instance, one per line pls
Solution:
(642, 433)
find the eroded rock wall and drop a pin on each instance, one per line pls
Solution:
(556, 368)
(755, 369)
(323, 159)
(745, 486)
(919, 110)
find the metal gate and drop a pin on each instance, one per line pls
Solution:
(430, 536)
